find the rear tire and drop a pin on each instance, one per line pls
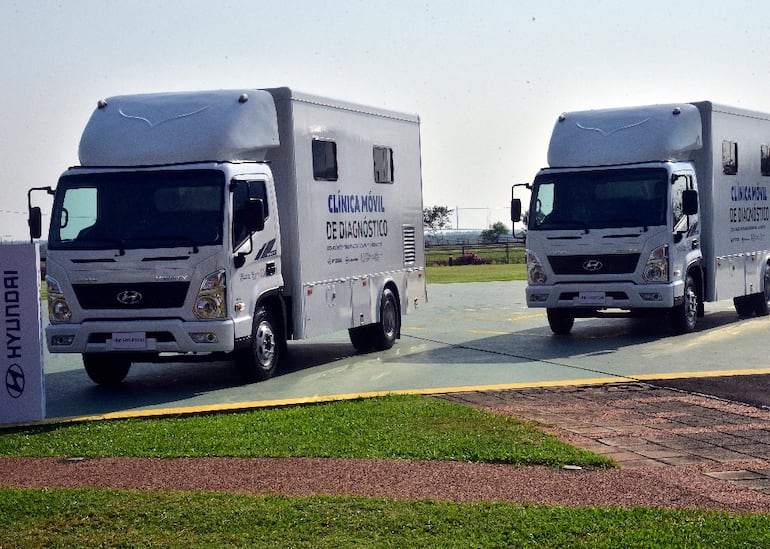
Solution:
(384, 333)
(106, 369)
(560, 321)
(744, 305)
(361, 338)
(260, 359)
(761, 307)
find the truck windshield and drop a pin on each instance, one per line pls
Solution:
(599, 199)
(126, 210)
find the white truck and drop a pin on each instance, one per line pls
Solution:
(650, 210)
(229, 222)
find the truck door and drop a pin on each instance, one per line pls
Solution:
(256, 243)
(686, 228)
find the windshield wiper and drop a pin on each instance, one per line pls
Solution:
(625, 223)
(170, 241)
(118, 243)
(565, 224)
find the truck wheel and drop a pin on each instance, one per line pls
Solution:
(259, 360)
(361, 338)
(685, 316)
(560, 321)
(744, 305)
(106, 369)
(384, 333)
(761, 299)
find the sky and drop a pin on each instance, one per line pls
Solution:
(488, 78)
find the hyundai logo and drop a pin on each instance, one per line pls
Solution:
(592, 265)
(14, 381)
(129, 297)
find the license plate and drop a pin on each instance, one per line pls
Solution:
(129, 340)
(591, 298)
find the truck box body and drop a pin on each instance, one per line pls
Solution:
(356, 231)
(609, 227)
(233, 220)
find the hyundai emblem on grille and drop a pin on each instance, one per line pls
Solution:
(129, 297)
(592, 265)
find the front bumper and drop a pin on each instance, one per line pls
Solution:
(150, 336)
(617, 295)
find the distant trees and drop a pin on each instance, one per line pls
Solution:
(493, 234)
(436, 218)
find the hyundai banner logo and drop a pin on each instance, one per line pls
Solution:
(14, 381)
(129, 297)
(21, 367)
(592, 265)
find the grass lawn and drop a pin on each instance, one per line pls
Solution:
(413, 427)
(104, 518)
(476, 273)
(401, 427)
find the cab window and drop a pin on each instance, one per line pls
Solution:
(243, 193)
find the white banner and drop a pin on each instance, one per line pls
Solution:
(22, 395)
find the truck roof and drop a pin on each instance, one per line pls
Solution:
(289, 94)
(626, 135)
(180, 127)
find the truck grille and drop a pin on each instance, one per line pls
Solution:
(594, 264)
(144, 295)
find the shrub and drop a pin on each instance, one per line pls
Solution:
(470, 259)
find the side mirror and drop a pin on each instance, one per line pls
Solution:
(689, 202)
(515, 209)
(35, 222)
(256, 218)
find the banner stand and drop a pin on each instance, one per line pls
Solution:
(22, 393)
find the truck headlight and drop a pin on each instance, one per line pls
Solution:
(210, 301)
(535, 272)
(656, 269)
(58, 308)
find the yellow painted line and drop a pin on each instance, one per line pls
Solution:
(251, 405)
(526, 317)
(710, 373)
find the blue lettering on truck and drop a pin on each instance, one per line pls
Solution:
(341, 203)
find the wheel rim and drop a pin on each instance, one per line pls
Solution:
(767, 285)
(389, 318)
(265, 343)
(690, 305)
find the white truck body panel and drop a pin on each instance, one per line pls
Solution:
(734, 209)
(355, 231)
(590, 265)
(329, 245)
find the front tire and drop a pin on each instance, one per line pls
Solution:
(684, 317)
(106, 369)
(560, 321)
(260, 360)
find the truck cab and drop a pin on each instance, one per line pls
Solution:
(143, 261)
(613, 223)
(613, 238)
